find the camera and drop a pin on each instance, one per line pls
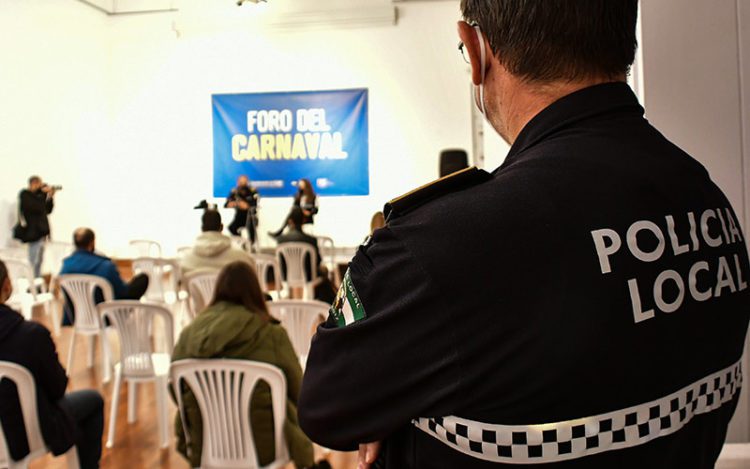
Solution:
(56, 188)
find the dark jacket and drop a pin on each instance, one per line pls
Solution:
(90, 263)
(35, 206)
(550, 306)
(30, 345)
(228, 330)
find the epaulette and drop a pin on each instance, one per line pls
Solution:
(459, 180)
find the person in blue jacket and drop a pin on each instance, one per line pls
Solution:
(86, 261)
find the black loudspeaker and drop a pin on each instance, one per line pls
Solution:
(453, 160)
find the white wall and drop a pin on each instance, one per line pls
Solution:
(121, 111)
(53, 117)
(691, 69)
(162, 86)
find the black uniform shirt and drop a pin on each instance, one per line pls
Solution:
(585, 306)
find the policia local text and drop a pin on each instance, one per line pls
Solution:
(723, 272)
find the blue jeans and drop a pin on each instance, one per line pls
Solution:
(87, 409)
(36, 254)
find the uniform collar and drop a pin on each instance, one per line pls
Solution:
(583, 104)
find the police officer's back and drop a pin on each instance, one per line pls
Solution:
(585, 305)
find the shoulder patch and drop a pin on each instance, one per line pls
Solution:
(347, 308)
(459, 180)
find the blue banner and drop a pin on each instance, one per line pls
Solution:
(278, 138)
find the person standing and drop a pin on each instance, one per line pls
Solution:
(244, 200)
(583, 306)
(35, 204)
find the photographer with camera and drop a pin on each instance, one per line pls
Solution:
(34, 204)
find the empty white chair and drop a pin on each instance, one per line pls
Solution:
(263, 264)
(294, 255)
(327, 254)
(145, 248)
(139, 361)
(80, 289)
(223, 389)
(299, 318)
(29, 292)
(24, 382)
(153, 267)
(201, 289)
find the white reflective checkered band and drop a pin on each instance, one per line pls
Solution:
(560, 441)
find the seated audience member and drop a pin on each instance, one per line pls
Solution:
(212, 249)
(85, 261)
(324, 291)
(237, 325)
(64, 419)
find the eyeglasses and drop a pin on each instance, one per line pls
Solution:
(462, 51)
(462, 47)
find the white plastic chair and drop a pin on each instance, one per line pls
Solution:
(80, 289)
(25, 295)
(145, 248)
(294, 255)
(299, 318)
(201, 289)
(153, 267)
(139, 361)
(27, 396)
(223, 389)
(264, 263)
(327, 253)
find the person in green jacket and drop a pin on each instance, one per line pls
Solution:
(237, 325)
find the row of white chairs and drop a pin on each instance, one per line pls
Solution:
(223, 389)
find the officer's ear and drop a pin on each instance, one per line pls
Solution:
(470, 39)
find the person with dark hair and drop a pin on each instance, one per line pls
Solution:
(546, 314)
(85, 260)
(324, 289)
(237, 325)
(212, 249)
(306, 200)
(35, 203)
(64, 419)
(244, 200)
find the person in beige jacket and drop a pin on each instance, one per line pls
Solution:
(212, 249)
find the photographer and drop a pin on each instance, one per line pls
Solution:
(35, 203)
(244, 199)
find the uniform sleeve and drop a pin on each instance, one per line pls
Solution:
(368, 378)
(49, 373)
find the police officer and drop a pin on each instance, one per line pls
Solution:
(585, 305)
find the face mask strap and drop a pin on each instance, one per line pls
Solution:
(483, 64)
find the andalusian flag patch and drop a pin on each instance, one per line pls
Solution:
(347, 308)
